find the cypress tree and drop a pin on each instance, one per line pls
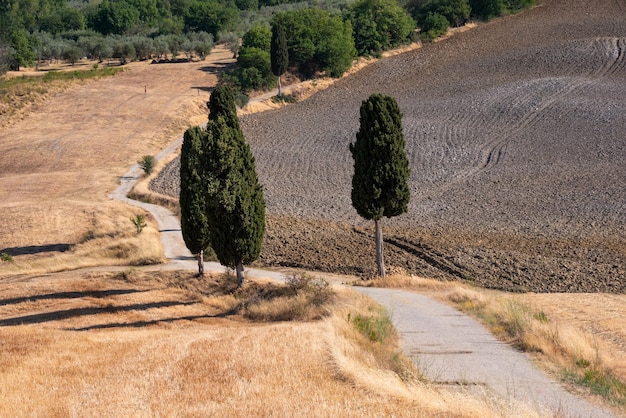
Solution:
(279, 54)
(222, 104)
(381, 167)
(193, 219)
(236, 206)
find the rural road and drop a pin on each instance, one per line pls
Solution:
(447, 345)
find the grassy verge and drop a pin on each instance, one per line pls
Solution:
(569, 352)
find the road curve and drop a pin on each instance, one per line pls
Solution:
(447, 345)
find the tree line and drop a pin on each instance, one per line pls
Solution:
(325, 42)
(321, 39)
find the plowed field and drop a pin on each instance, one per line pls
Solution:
(516, 135)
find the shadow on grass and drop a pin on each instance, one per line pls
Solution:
(140, 324)
(70, 295)
(36, 249)
(76, 312)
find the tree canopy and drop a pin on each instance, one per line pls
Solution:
(378, 25)
(318, 41)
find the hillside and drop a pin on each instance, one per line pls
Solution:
(514, 132)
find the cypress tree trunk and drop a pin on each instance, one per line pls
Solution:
(279, 85)
(201, 263)
(380, 260)
(240, 278)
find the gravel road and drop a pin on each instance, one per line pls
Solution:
(515, 135)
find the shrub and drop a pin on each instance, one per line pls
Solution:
(434, 26)
(376, 327)
(147, 163)
(139, 221)
(6, 257)
(317, 290)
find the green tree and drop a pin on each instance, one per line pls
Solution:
(456, 12)
(193, 194)
(434, 25)
(487, 9)
(381, 167)
(279, 55)
(318, 41)
(257, 37)
(378, 25)
(23, 52)
(221, 103)
(114, 17)
(235, 206)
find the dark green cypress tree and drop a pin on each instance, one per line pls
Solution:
(381, 167)
(235, 206)
(279, 55)
(193, 219)
(222, 103)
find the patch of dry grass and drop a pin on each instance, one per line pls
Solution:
(141, 343)
(580, 338)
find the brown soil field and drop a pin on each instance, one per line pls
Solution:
(515, 135)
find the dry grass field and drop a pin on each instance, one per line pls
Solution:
(138, 343)
(61, 159)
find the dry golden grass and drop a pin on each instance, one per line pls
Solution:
(60, 162)
(579, 338)
(140, 343)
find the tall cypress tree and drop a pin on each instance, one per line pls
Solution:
(381, 167)
(193, 219)
(222, 104)
(279, 55)
(236, 206)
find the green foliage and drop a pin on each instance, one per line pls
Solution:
(376, 327)
(23, 52)
(433, 26)
(279, 53)
(139, 221)
(241, 99)
(318, 41)
(147, 163)
(487, 9)
(284, 98)
(210, 16)
(378, 25)
(257, 37)
(192, 199)
(600, 382)
(255, 70)
(114, 17)
(221, 104)
(456, 12)
(381, 167)
(235, 203)
(6, 257)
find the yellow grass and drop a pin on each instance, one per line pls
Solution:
(579, 338)
(140, 343)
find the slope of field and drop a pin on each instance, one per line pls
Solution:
(515, 134)
(59, 163)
